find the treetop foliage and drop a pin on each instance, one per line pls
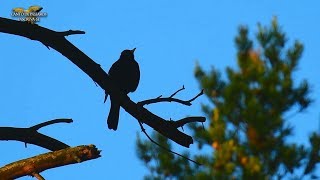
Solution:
(248, 117)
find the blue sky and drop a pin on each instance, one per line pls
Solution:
(44, 85)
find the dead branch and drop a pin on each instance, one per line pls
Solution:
(32, 136)
(71, 32)
(182, 122)
(38, 176)
(35, 165)
(47, 123)
(177, 91)
(170, 99)
(58, 42)
(170, 151)
(175, 124)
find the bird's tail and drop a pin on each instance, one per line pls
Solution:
(113, 117)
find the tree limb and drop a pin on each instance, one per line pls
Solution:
(71, 32)
(34, 165)
(58, 42)
(178, 91)
(169, 150)
(170, 99)
(175, 124)
(31, 136)
(38, 126)
(182, 122)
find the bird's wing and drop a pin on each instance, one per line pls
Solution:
(116, 72)
(133, 76)
(18, 10)
(136, 78)
(35, 9)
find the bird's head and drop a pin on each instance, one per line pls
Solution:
(127, 54)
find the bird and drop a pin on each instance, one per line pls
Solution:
(125, 74)
(29, 13)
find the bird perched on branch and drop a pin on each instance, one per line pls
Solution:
(125, 74)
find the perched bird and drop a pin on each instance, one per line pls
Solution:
(28, 13)
(124, 73)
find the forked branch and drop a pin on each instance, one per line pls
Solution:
(170, 99)
(173, 124)
(32, 136)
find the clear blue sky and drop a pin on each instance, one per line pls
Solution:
(169, 35)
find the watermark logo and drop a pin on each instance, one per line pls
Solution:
(31, 15)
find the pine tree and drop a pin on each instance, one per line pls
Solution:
(248, 124)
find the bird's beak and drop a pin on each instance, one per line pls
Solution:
(133, 50)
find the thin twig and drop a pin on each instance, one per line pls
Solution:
(177, 91)
(196, 96)
(144, 131)
(38, 176)
(170, 99)
(47, 123)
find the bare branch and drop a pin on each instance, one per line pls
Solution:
(71, 32)
(170, 99)
(34, 165)
(182, 122)
(38, 176)
(177, 91)
(196, 96)
(32, 136)
(144, 131)
(38, 126)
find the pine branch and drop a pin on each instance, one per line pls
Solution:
(35, 165)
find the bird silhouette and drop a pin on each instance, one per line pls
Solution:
(125, 74)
